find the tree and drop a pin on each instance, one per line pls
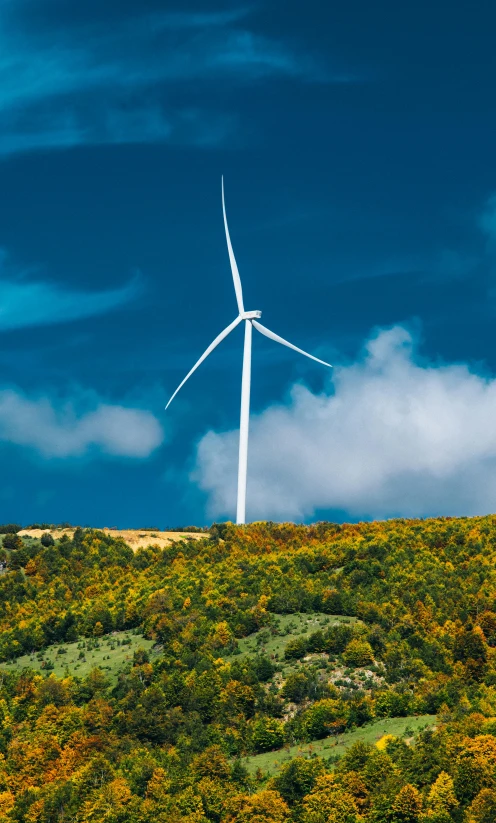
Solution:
(392, 704)
(470, 648)
(323, 718)
(475, 767)
(358, 653)
(483, 807)
(442, 796)
(47, 540)
(211, 763)
(329, 803)
(296, 648)
(267, 734)
(407, 805)
(12, 541)
(265, 807)
(295, 687)
(297, 778)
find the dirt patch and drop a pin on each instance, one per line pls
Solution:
(136, 538)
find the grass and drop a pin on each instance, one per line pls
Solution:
(271, 762)
(288, 627)
(114, 653)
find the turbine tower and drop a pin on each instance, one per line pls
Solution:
(250, 319)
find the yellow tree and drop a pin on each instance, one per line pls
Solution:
(328, 802)
(265, 807)
(407, 805)
(442, 793)
(483, 807)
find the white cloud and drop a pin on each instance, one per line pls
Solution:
(396, 437)
(69, 432)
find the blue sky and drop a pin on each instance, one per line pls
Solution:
(357, 146)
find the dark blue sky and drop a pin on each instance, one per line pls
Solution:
(357, 144)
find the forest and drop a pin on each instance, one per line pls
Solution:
(268, 673)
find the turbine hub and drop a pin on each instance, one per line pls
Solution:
(251, 315)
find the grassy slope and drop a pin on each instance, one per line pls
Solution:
(270, 762)
(119, 656)
(290, 626)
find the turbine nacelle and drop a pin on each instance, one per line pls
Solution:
(250, 315)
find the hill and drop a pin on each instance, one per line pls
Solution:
(136, 538)
(267, 673)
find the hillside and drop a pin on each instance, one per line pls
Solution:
(136, 538)
(267, 673)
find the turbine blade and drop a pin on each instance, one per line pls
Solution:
(272, 336)
(220, 337)
(232, 259)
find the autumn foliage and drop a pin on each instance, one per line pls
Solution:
(168, 739)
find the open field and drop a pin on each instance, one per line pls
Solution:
(113, 652)
(136, 538)
(271, 762)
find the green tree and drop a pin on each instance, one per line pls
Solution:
(267, 734)
(297, 778)
(323, 718)
(12, 541)
(295, 687)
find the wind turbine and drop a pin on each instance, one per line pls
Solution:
(250, 319)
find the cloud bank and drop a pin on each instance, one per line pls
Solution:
(397, 436)
(67, 431)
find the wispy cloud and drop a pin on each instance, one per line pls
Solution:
(396, 436)
(25, 303)
(100, 83)
(66, 430)
(487, 221)
(143, 123)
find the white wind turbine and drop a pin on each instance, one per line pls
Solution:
(250, 320)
